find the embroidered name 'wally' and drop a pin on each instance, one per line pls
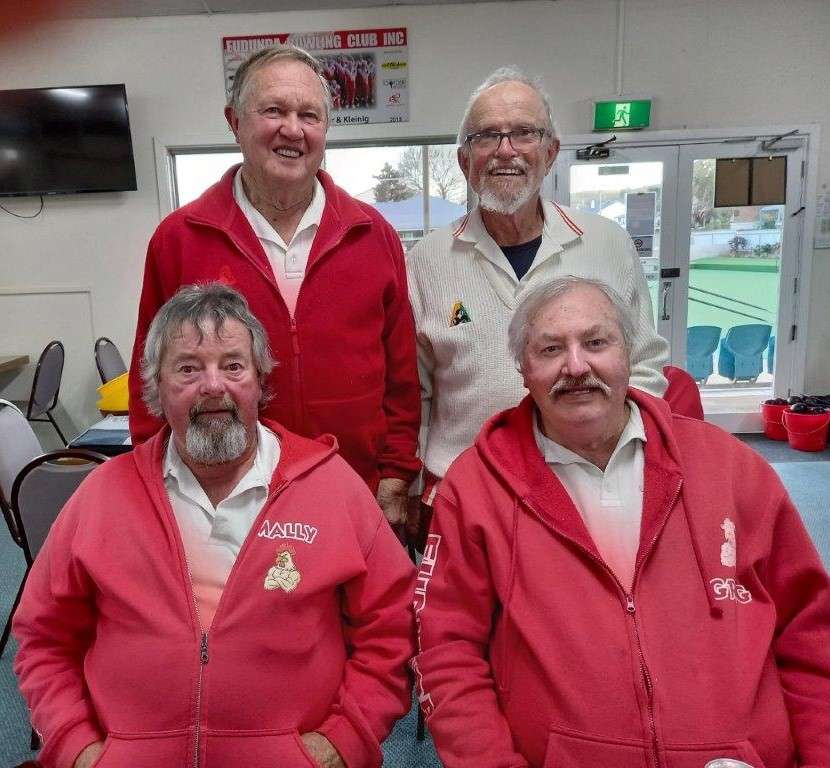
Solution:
(296, 531)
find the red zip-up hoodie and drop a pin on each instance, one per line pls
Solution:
(346, 360)
(533, 654)
(111, 645)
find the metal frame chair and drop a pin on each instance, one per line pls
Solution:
(108, 359)
(18, 446)
(39, 492)
(46, 386)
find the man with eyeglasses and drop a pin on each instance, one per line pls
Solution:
(466, 280)
(324, 272)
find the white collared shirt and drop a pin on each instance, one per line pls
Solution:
(558, 232)
(610, 502)
(212, 536)
(288, 261)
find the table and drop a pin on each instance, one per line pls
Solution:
(13, 362)
(110, 436)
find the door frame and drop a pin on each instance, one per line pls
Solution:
(793, 383)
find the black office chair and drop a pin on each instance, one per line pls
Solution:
(108, 360)
(46, 385)
(39, 492)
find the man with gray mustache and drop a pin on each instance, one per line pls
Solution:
(606, 583)
(466, 280)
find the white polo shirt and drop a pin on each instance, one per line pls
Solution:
(288, 262)
(610, 502)
(212, 536)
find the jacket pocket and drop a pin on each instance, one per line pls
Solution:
(572, 749)
(140, 750)
(697, 755)
(256, 749)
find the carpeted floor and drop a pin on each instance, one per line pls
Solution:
(809, 486)
(806, 476)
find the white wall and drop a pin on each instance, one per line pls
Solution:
(706, 64)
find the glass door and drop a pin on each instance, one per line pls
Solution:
(637, 188)
(723, 278)
(737, 325)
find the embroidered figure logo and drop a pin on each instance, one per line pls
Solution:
(283, 574)
(728, 550)
(296, 531)
(728, 589)
(459, 314)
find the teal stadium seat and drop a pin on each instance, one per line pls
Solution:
(742, 351)
(701, 343)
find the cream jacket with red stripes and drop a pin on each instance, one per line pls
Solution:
(465, 368)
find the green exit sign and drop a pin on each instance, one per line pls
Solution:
(622, 115)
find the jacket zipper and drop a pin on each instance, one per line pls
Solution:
(204, 654)
(295, 372)
(203, 660)
(631, 609)
(295, 339)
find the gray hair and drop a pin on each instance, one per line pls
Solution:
(508, 74)
(539, 297)
(260, 58)
(198, 305)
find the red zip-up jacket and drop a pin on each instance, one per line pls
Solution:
(111, 645)
(533, 654)
(346, 361)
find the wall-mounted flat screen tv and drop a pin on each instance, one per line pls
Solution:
(64, 140)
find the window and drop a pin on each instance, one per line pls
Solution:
(194, 172)
(416, 187)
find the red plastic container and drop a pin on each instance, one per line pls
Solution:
(774, 428)
(807, 431)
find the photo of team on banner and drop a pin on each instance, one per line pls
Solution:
(351, 79)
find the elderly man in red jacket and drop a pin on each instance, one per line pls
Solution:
(324, 273)
(608, 584)
(229, 593)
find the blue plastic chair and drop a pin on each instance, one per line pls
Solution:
(701, 343)
(771, 355)
(742, 350)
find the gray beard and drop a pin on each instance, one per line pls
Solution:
(216, 442)
(490, 200)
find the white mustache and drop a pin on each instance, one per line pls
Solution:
(517, 163)
(581, 383)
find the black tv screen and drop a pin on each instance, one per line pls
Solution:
(64, 140)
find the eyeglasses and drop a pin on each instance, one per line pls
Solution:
(521, 139)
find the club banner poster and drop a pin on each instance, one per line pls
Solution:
(367, 69)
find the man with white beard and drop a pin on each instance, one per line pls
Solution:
(466, 280)
(223, 566)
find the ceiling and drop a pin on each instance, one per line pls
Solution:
(140, 8)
